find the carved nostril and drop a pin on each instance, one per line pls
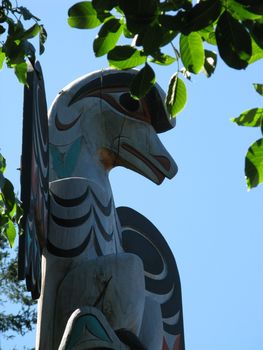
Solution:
(164, 162)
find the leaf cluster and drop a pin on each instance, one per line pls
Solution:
(10, 207)
(15, 45)
(234, 26)
(14, 292)
(254, 157)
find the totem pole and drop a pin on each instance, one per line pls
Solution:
(105, 277)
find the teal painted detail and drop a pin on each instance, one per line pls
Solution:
(64, 163)
(87, 323)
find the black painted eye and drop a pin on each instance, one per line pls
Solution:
(129, 103)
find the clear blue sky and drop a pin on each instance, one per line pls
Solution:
(213, 225)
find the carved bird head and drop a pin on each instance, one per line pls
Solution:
(117, 128)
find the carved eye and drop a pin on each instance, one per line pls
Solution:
(129, 103)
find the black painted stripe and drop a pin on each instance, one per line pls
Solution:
(63, 127)
(105, 234)
(106, 210)
(71, 222)
(68, 253)
(97, 245)
(71, 202)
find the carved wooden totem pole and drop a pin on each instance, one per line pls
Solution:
(105, 277)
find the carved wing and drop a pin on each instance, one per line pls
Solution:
(162, 279)
(34, 180)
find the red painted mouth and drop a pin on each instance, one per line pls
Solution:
(162, 160)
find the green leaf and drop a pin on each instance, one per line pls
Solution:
(210, 63)
(174, 23)
(82, 15)
(163, 59)
(15, 53)
(125, 57)
(2, 170)
(258, 88)
(8, 195)
(254, 164)
(42, 39)
(3, 221)
(104, 4)
(192, 52)
(108, 37)
(240, 12)
(208, 34)
(234, 42)
(257, 52)
(2, 164)
(176, 96)
(255, 6)
(2, 29)
(251, 117)
(256, 30)
(142, 82)
(152, 39)
(139, 14)
(2, 58)
(31, 32)
(201, 15)
(21, 72)
(10, 232)
(27, 15)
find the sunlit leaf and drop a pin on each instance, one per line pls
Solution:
(107, 37)
(125, 57)
(142, 82)
(256, 30)
(251, 117)
(31, 32)
(192, 52)
(210, 63)
(255, 6)
(82, 15)
(176, 96)
(241, 12)
(2, 164)
(10, 232)
(2, 58)
(208, 34)
(254, 164)
(163, 59)
(257, 53)
(233, 41)
(258, 88)
(21, 72)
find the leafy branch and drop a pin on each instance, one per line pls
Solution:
(234, 26)
(10, 207)
(254, 157)
(15, 45)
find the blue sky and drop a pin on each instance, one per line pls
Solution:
(211, 222)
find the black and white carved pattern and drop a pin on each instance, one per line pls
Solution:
(162, 281)
(79, 221)
(34, 180)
